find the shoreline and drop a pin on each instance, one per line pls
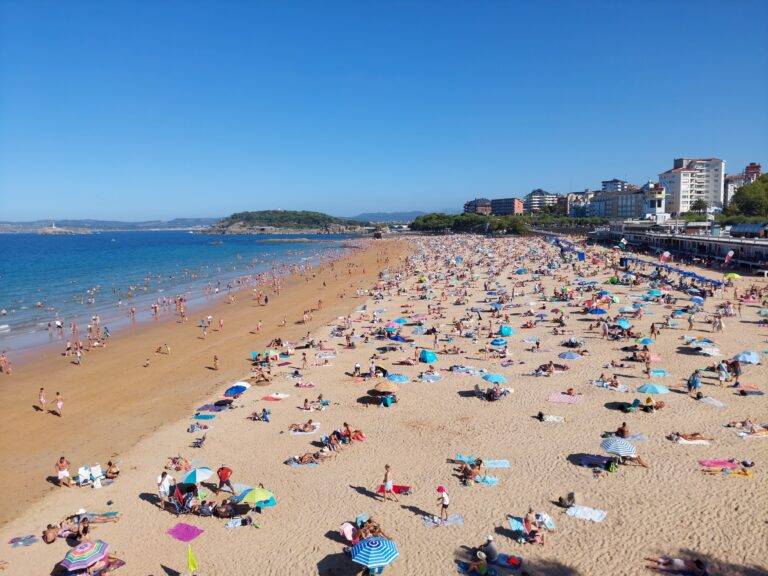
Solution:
(127, 392)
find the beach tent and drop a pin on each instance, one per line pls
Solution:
(499, 342)
(427, 356)
(506, 330)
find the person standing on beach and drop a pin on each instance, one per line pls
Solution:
(225, 474)
(59, 404)
(443, 501)
(62, 472)
(389, 489)
(41, 398)
(215, 362)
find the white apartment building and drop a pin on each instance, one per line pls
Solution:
(537, 199)
(692, 179)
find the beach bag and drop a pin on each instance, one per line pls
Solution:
(612, 466)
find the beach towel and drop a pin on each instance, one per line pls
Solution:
(619, 388)
(560, 398)
(114, 564)
(497, 464)
(463, 568)
(22, 541)
(184, 532)
(713, 402)
(361, 519)
(293, 464)
(517, 525)
(404, 490)
(692, 442)
(211, 408)
(237, 522)
(486, 480)
(274, 397)
(204, 416)
(591, 460)
(546, 520)
(640, 437)
(284, 364)
(719, 463)
(315, 428)
(746, 435)
(434, 521)
(586, 513)
(431, 378)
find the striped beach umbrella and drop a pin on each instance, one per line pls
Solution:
(197, 475)
(375, 552)
(84, 555)
(618, 446)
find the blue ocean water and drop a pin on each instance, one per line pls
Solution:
(74, 277)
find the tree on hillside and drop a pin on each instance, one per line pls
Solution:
(751, 199)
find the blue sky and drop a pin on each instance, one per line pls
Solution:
(133, 110)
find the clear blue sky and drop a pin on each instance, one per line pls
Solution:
(133, 110)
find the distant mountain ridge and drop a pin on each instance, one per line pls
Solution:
(88, 224)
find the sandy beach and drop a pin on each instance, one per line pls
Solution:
(117, 409)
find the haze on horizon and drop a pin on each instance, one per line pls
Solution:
(139, 111)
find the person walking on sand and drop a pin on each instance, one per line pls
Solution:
(59, 404)
(389, 489)
(41, 399)
(62, 472)
(215, 362)
(443, 502)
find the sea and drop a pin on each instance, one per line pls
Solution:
(75, 277)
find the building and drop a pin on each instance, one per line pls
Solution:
(506, 206)
(576, 203)
(692, 179)
(731, 184)
(478, 206)
(752, 172)
(624, 201)
(615, 186)
(538, 199)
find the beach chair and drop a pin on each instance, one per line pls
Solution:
(634, 407)
(83, 476)
(97, 475)
(199, 442)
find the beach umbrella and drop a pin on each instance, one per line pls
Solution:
(386, 387)
(645, 341)
(197, 475)
(626, 309)
(618, 446)
(598, 311)
(624, 324)
(731, 276)
(506, 330)
(569, 355)
(399, 378)
(498, 342)
(496, 306)
(658, 373)
(655, 293)
(521, 271)
(495, 378)
(604, 293)
(401, 321)
(427, 356)
(84, 555)
(653, 389)
(234, 391)
(697, 300)
(253, 496)
(763, 312)
(374, 552)
(748, 357)
(391, 329)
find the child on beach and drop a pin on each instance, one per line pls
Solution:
(443, 501)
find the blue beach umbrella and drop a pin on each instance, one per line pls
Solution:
(653, 389)
(618, 446)
(197, 475)
(569, 355)
(495, 378)
(506, 330)
(598, 311)
(748, 357)
(604, 293)
(497, 306)
(374, 552)
(235, 390)
(400, 378)
(498, 342)
(624, 324)
(645, 341)
(521, 271)
(655, 293)
(401, 321)
(697, 300)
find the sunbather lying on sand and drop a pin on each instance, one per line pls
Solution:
(674, 436)
(676, 565)
(308, 426)
(177, 463)
(468, 472)
(749, 426)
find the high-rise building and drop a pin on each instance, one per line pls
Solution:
(478, 206)
(692, 179)
(537, 199)
(615, 185)
(731, 184)
(576, 203)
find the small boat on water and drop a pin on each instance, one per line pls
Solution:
(4, 328)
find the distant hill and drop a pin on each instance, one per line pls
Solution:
(96, 225)
(389, 216)
(282, 220)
